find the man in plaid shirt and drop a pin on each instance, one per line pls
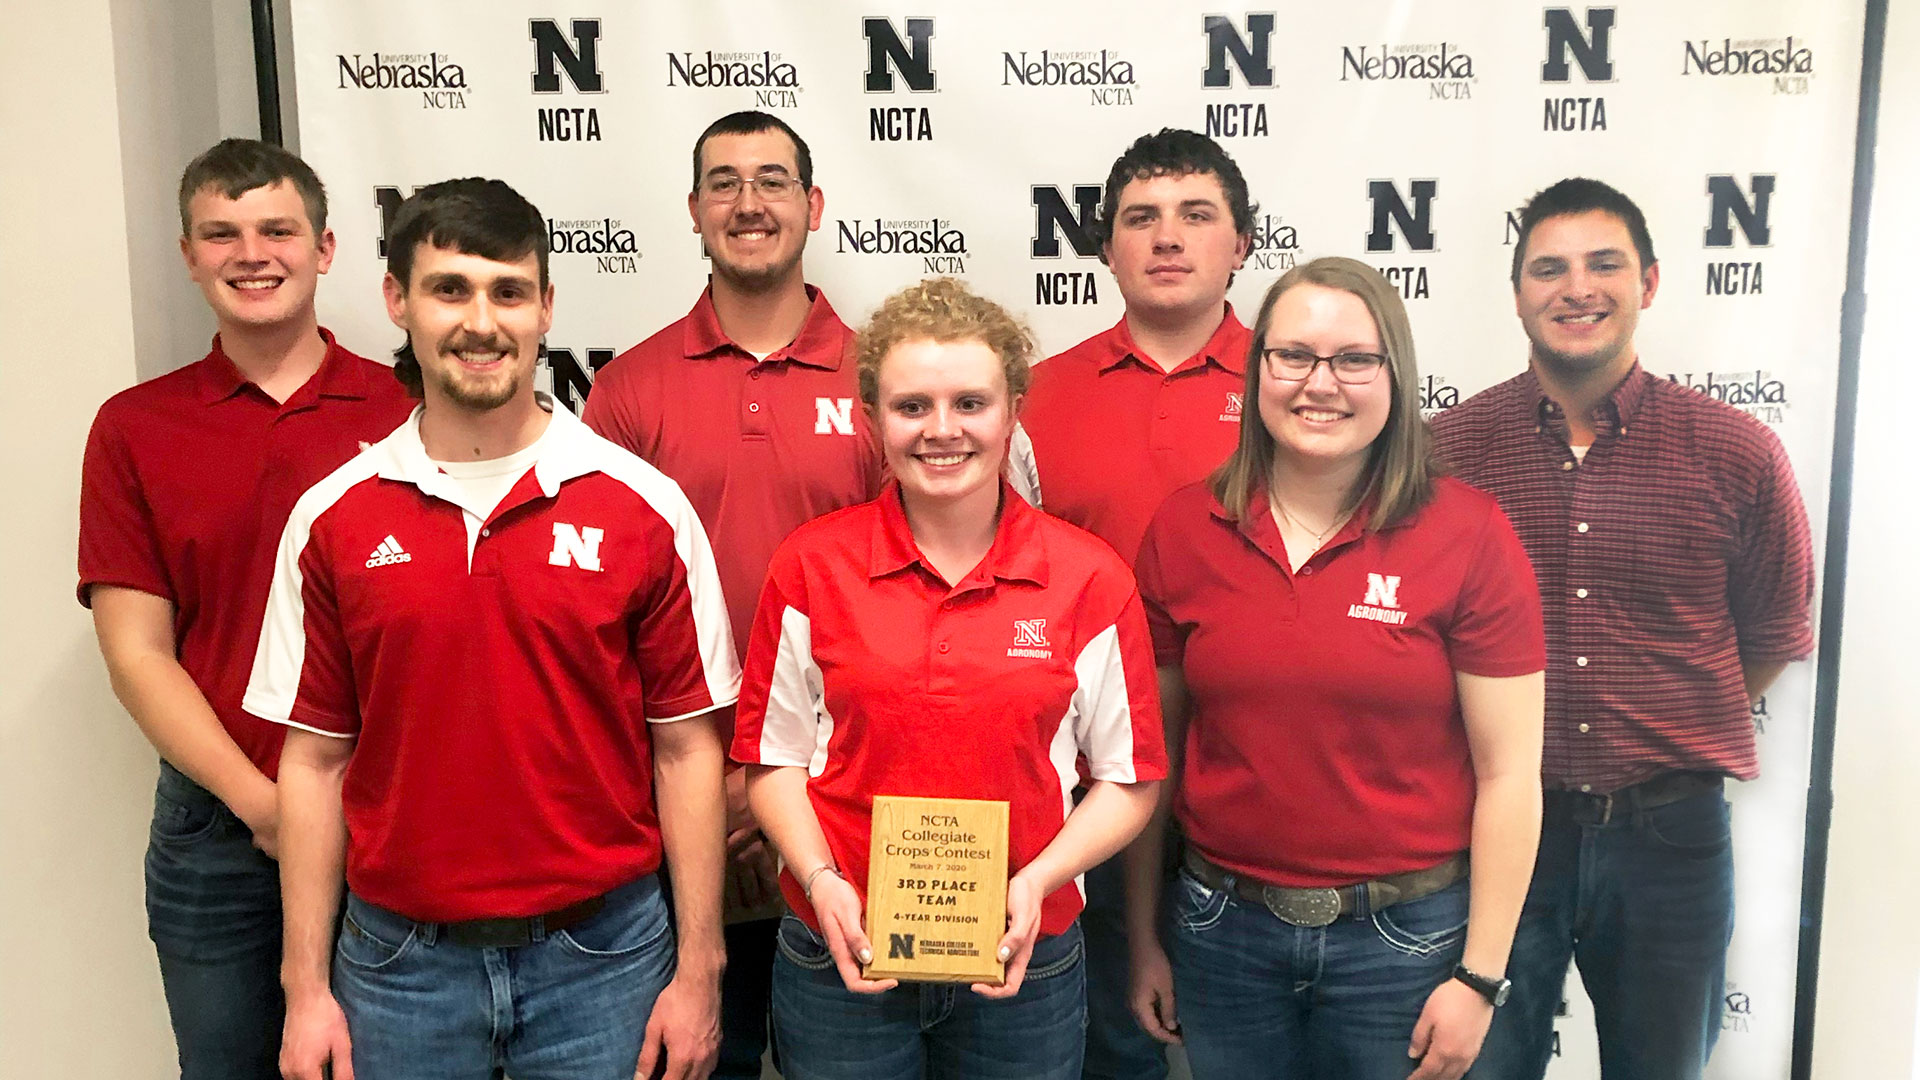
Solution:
(1676, 575)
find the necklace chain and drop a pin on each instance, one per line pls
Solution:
(1319, 537)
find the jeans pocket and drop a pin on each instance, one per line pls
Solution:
(1056, 956)
(1701, 827)
(1196, 907)
(183, 813)
(800, 945)
(370, 951)
(1428, 926)
(621, 931)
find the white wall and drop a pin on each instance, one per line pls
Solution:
(1869, 991)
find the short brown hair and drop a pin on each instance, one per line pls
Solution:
(1401, 467)
(234, 167)
(942, 309)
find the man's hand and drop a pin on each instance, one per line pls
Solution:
(264, 821)
(1150, 990)
(315, 1037)
(1450, 1031)
(683, 1032)
(1016, 945)
(753, 880)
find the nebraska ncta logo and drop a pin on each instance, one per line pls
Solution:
(576, 547)
(832, 416)
(1382, 604)
(1030, 640)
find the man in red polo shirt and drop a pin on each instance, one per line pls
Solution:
(187, 481)
(1120, 421)
(499, 643)
(1676, 576)
(766, 349)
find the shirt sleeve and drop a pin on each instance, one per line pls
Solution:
(1168, 637)
(1496, 629)
(119, 543)
(781, 719)
(302, 668)
(1770, 583)
(1117, 701)
(683, 642)
(613, 410)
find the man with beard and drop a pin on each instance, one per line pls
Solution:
(1676, 576)
(748, 402)
(188, 478)
(499, 644)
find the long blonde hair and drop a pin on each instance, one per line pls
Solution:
(1401, 467)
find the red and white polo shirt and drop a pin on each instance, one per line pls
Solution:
(187, 482)
(870, 672)
(1108, 435)
(498, 669)
(1325, 744)
(760, 446)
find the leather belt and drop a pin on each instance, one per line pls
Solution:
(513, 933)
(1320, 907)
(1592, 808)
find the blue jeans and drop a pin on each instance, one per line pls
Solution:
(941, 1031)
(213, 911)
(1257, 997)
(1644, 904)
(1117, 1049)
(570, 1006)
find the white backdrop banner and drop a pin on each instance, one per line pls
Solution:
(970, 137)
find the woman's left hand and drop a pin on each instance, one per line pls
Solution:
(1450, 1031)
(1016, 947)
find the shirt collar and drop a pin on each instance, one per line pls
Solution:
(1227, 348)
(1018, 552)
(1611, 415)
(567, 451)
(1258, 526)
(821, 342)
(337, 377)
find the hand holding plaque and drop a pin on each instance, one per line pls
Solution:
(937, 890)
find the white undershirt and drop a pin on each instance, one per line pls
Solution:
(1580, 452)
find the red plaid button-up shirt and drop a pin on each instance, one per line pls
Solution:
(1676, 551)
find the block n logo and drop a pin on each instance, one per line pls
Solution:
(832, 416)
(576, 547)
(1251, 53)
(577, 54)
(899, 946)
(1052, 216)
(1730, 204)
(1591, 48)
(1415, 223)
(888, 54)
(1383, 590)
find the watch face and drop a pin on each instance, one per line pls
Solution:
(1502, 992)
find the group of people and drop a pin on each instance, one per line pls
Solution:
(500, 742)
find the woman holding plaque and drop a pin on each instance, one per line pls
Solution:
(944, 641)
(1350, 648)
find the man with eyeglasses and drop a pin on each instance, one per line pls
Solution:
(1115, 424)
(749, 404)
(1676, 578)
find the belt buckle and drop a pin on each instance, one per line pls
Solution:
(1310, 908)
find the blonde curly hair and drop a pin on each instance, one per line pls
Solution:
(942, 309)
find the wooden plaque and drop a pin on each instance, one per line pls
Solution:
(937, 889)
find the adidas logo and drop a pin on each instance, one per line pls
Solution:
(388, 553)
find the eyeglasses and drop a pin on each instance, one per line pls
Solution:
(1296, 365)
(770, 187)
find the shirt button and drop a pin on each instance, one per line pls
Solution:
(1586, 787)
(1306, 571)
(754, 374)
(1584, 729)
(1581, 660)
(1566, 466)
(486, 532)
(1581, 527)
(1581, 593)
(753, 406)
(942, 646)
(1163, 414)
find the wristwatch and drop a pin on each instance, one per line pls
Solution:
(1494, 990)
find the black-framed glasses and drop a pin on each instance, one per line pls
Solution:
(770, 187)
(1296, 365)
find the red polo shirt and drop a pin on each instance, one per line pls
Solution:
(872, 673)
(759, 446)
(1325, 744)
(498, 669)
(1112, 435)
(187, 481)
